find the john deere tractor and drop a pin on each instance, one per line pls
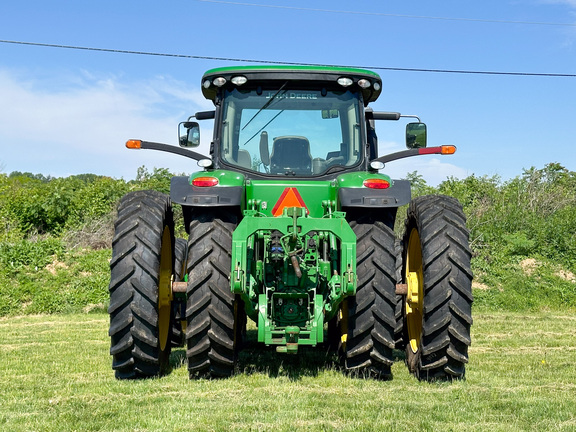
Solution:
(290, 223)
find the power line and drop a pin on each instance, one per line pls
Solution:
(243, 60)
(390, 15)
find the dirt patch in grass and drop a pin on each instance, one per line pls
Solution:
(566, 275)
(529, 265)
(480, 286)
(55, 265)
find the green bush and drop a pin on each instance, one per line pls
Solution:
(95, 200)
(29, 253)
(42, 207)
(30, 205)
(55, 237)
(159, 179)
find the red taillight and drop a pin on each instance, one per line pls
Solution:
(205, 181)
(445, 149)
(376, 183)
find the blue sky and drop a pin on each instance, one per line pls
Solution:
(65, 111)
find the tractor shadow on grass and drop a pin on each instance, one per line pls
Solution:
(255, 357)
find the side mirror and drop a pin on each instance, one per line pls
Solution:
(189, 134)
(415, 135)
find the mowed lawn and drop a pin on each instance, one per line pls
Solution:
(55, 375)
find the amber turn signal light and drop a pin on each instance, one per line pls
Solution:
(448, 149)
(133, 144)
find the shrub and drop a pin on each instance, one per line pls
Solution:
(35, 253)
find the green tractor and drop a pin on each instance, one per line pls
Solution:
(290, 224)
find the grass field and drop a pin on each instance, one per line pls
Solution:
(55, 375)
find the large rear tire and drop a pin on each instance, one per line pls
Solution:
(140, 285)
(211, 310)
(370, 320)
(438, 306)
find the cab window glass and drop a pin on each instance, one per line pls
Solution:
(291, 132)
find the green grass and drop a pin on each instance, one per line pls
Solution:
(68, 282)
(55, 375)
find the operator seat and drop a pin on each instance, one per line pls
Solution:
(291, 154)
(244, 159)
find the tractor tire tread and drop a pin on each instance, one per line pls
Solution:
(446, 255)
(371, 312)
(210, 305)
(142, 216)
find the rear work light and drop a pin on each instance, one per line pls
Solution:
(376, 183)
(205, 181)
(345, 81)
(364, 83)
(219, 82)
(239, 80)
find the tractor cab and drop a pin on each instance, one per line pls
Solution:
(289, 121)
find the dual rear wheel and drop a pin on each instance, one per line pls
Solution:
(146, 321)
(437, 308)
(432, 321)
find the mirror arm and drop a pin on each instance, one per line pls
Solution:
(398, 155)
(411, 116)
(377, 115)
(415, 152)
(204, 115)
(172, 149)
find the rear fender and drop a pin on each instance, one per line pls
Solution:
(184, 193)
(398, 194)
(192, 197)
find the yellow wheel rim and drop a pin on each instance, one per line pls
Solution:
(165, 289)
(414, 306)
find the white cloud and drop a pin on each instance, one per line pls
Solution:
(64, 125)
(570, 3)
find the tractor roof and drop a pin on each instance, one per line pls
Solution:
(368, 82)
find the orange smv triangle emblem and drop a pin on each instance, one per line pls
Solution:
(289, 198)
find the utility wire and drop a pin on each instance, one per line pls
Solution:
(243, 60)
(389, 15)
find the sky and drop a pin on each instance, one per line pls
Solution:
(69, 111)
